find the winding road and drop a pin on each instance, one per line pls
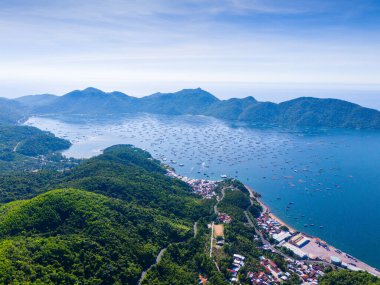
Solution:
(158, 259)
(161, 254)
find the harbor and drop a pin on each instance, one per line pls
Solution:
(305, 246)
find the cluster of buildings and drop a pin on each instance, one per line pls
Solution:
(202, 187)
(271, 275)
(309, 273)
(284, 238)
(237, 264)
(268, 225)
(224, 218)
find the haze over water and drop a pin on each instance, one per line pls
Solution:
(331, 177)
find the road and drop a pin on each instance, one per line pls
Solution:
(218, 201)
(158, 259)
(16, 146)
(216, 213)
(160, 255)
(195, 229)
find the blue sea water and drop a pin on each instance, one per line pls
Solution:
(328, 180)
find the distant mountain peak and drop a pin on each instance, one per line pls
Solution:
(92, 90)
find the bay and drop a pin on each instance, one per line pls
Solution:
(325, 179)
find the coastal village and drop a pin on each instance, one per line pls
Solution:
(202, 187)
(305, 256)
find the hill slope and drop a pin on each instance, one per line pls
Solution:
(11, 111)
(71, 236)
(33, 101)
(28, 148)
(106, 233)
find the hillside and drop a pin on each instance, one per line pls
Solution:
(187, 101)
(34, 101)
(11, 111)
(28, 148)
(71, 236)
(300, 112)
(106, 233)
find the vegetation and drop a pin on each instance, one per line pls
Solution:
(28, 148)
(184, 262)
(345, 277)
(106, 233)
(234, 203)
(71, 236)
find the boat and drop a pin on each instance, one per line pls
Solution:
(224, 176)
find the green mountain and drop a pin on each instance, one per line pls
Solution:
(106, 233)
(28, 148)
(72, 236)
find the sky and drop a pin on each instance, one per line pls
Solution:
(271, 49)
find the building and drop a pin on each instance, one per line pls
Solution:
(297, 251)
(281, 236)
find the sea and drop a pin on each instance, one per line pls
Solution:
(324, 182)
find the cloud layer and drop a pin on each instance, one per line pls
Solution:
(59, 45)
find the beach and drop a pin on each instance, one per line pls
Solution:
(317, 249)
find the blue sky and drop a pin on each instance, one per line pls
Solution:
(270, 49)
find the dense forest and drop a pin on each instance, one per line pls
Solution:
(28, 148)
(105, 233)
(345, 277)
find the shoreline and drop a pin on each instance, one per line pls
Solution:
(267, 209)
(325, 253)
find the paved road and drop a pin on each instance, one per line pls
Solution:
(16, 146)
(158, 259)
(218, 201)
(195, 229)
(160, 255)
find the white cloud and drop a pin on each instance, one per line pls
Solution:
(112, 43)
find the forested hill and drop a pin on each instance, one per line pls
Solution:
(106, 233)
(25, 148)
(304, 111)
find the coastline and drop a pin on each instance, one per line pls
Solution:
(314, 247)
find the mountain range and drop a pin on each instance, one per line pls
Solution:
(303, 111)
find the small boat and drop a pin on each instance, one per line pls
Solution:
(224, 176)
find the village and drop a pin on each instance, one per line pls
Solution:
(202, 187)
(305, 256)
